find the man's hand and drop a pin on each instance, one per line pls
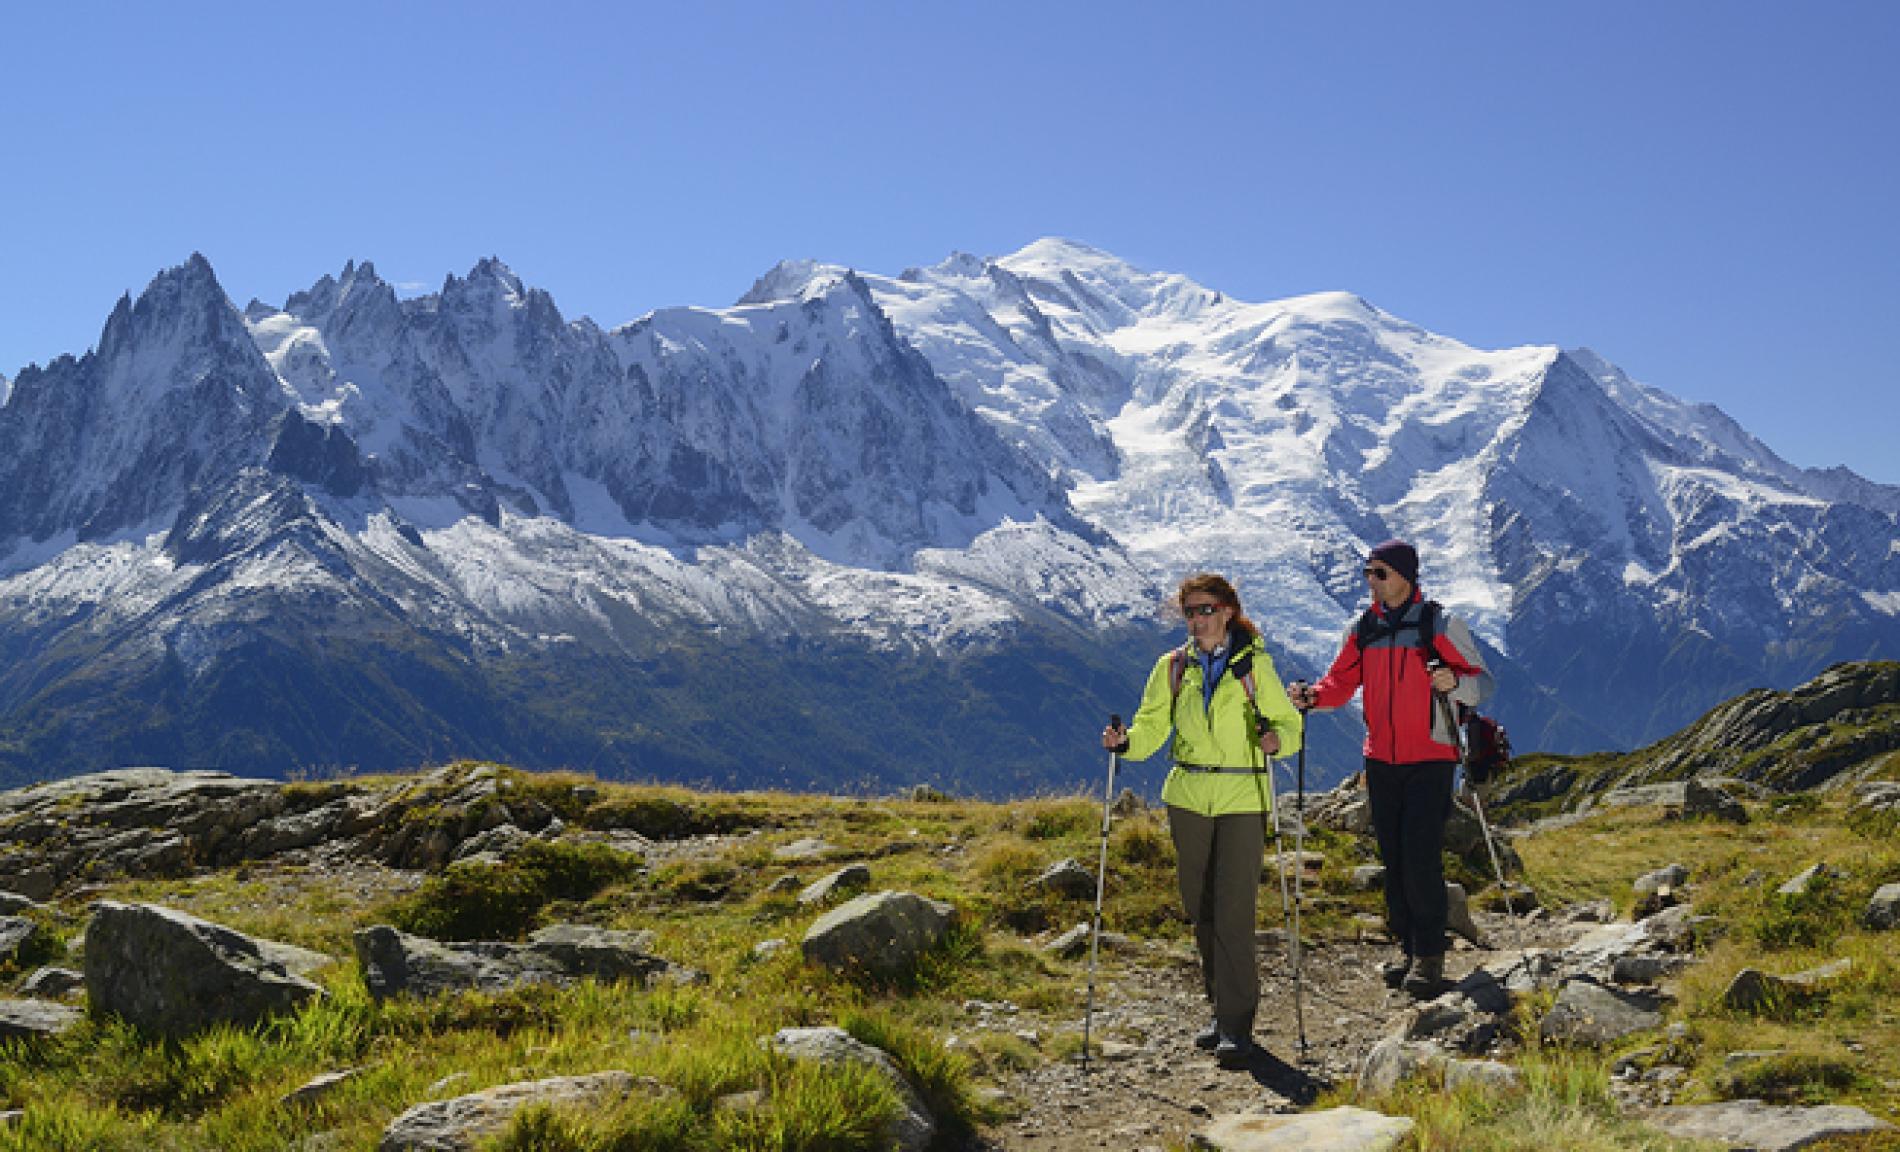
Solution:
(1443, 679)
(1301, 694)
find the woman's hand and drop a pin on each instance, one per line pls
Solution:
(1115, 738)
(1270, 742)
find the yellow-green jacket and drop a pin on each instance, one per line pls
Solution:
(1221, 735)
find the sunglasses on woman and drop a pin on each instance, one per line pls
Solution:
(1193, 610)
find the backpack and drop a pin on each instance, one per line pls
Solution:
(1487, 747)
(1370, 625)
(1241, 670)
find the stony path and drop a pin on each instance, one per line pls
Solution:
(1154, 1089)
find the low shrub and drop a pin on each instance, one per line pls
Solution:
(480, 901)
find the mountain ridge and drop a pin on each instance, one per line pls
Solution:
(1010, 456)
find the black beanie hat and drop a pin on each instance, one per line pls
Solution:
(1400, 557)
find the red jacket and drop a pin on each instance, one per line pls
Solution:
(1403, 725)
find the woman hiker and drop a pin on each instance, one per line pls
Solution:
(1403, 652)
(1228, 711)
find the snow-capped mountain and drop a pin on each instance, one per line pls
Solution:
(855, 527)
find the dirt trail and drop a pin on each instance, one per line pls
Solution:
(1154, 1089)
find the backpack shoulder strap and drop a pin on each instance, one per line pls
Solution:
(1177, 668)
(1428, 622)
(1368, 626)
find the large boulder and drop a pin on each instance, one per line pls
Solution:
(913, 1128)
(882, 932)
(462, 1123)
(173, 974)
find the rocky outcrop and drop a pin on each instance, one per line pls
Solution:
(173, 974)
(397, 963)
(156, 822)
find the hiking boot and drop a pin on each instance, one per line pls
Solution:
(1209, 1038)
(1426, 980)
(1233, 1051)
(1393, 972)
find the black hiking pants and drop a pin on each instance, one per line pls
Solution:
(1410, 803)
(1219, 861)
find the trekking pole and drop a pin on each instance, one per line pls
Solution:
(1477, 804)
(1289, 912)
(1101, 881)
(1299, 865)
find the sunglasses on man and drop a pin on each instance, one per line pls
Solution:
(1378, 573)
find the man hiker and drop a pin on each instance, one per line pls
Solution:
(1403, 651)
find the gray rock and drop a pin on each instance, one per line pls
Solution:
(1673, 929)
(1368, 877)
(395, 962)
(914, 1127)
(1646, 969)
(15, 931)
(878, 932)
(1710, 797)
(494, 845)
(1458, 913)
(1074, 944)
(808, 848)
(1805, 879)
(785, 885)
(1486, 1075)
(1447, 1014)
(1485, 991)
(318, 1087)
(173, 974)
(12, 903)
(1067, 878)
(53, 983)
(1344, 1129)
(1752, 990)
(1589, 1013)
(1883, 910)
(1668, 794)
(1344, 809)
(580, 950)
(35, 1019)
(1672, 876)
(1589, 912)
(849, 879)
(458, 1125)
(1751, 1124)
(1392, 1061)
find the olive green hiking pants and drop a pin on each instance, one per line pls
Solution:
(1219, 862)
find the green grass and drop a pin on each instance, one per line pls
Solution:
(105, 1087)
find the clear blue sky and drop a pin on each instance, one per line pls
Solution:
(1705, 193)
